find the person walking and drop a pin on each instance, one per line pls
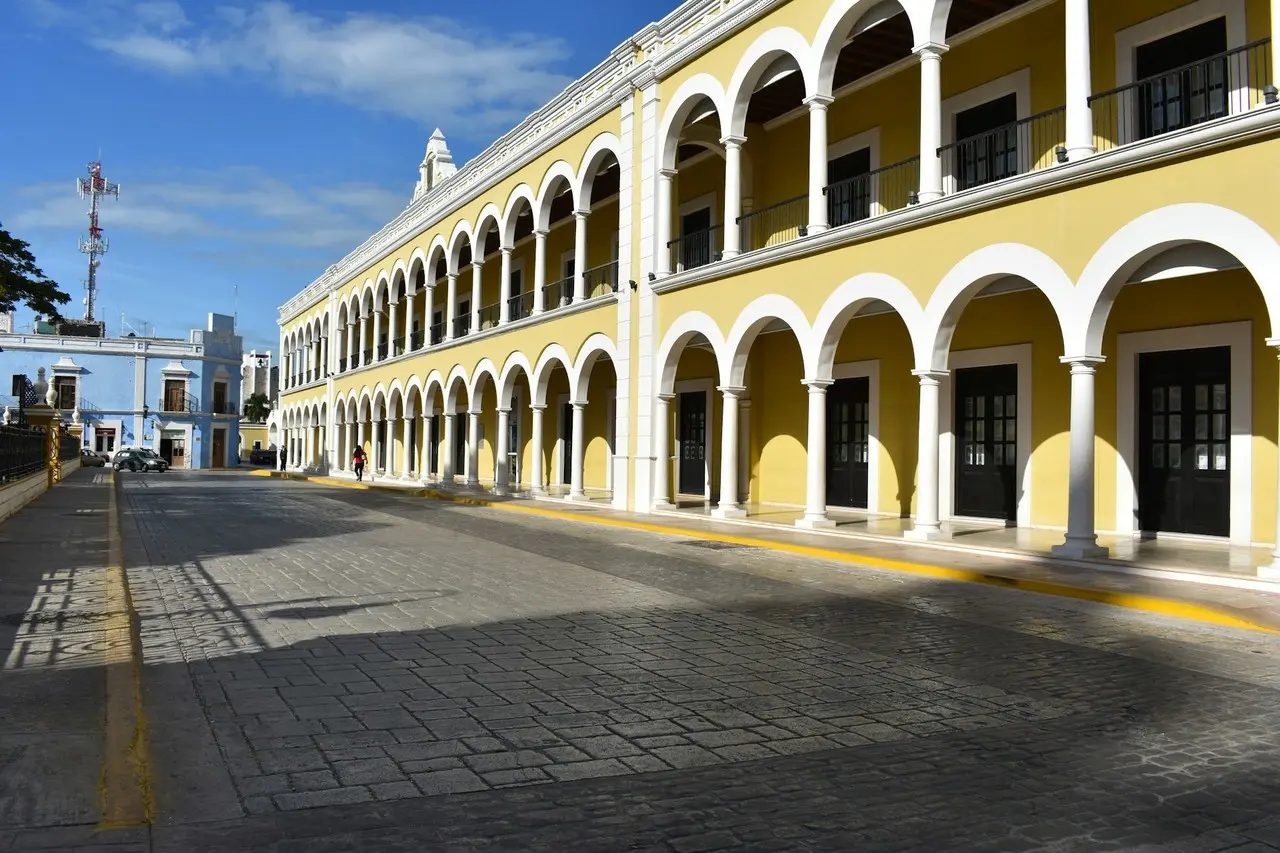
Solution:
(357, 462)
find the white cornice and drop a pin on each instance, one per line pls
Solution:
(691, 28)
(1199, 139)
(102, 346)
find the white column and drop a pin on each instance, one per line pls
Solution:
(579, 255)
(744, 446)
(324, 357)
(815, 500)
(407, 442)
(446, 452)
(408, 321)
(576, 492)
(1275, 54)
(818, 162)
(377, 335)
(391, 330)
(1082, 539)
(393, 444)
(360, 432)
(424, 449)
(535, 467)
(728, 507)
(500, 453)
(428, 312)
(662, 261)
(473, 449)
(1079, 82)
(927, 525)
(351, 345)
(375, 445)
(930, 120)
(1272, 570)
(662, 452)
(477, 281)
(732, 195)
(351, 446)
(539, 271)
(364, 338)
(451, 305)
(504, 299)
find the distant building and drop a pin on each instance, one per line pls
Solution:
(178, 397)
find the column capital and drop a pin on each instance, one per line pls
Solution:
(817, 386)
(733, 141)
(930, 377)
(541, 233)
(818, 102)
(578, 404)
(477, 264)
(474, 413)
(581, 214)
(506, 250)
(930, 50)
(1082, 361)
(666, 398)
(451, 276)
(667, 173)
(731, 390)
(1274, 343)
(504, 410)
(537, 407)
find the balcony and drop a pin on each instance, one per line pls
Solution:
(520, 305)
(437, 333)
(558, 294)
(382, 352)
(1027, 145)
(178, 402)
(397, 346)
(342, 365)
(462, 324)
(416, 340)
(777, 223)
(697, 248)
(489, 316)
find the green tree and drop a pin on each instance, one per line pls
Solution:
(21, 281)
(257, 407)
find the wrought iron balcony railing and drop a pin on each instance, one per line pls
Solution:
(1027, 145)
(777, 223)
(696, 249)
(600, 280)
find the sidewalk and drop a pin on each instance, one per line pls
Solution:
(1242, 608)
(59, 607)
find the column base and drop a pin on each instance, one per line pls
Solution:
(1086, 548)
(577, 497)
(1079, 153)
(924, 534)
(815, 522)
(1270, 572)
(734, 511)
(929, 195)
(501, 491)
(815, 229)
(473, 484)
(663, 506)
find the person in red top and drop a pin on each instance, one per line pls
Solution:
(357, 462)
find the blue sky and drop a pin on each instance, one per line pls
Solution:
(257, 142)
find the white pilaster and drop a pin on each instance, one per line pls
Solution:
(662, 452)
(424, 449)
(473, 449)
(728, 507)
(501, 450)
(1082, 539)
(504, 299)
(446, 452)
(407, 444)
(539, 271)
(927, 525)
(1079, 82)
(815, 493)
(930, 120)
(535, 468)
(818, 161)
(579, 255)
(576, 492)
(662, 265)
(375, 444)
(732, 195)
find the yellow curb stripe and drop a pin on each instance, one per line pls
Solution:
(1134, 601)
(125, 782)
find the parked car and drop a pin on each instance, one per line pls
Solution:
(263, 456)
(139, 459)
(89, 459)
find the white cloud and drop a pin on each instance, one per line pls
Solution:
(429, 69)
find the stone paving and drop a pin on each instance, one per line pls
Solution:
(330, 669)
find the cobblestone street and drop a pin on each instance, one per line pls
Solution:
(331, 669)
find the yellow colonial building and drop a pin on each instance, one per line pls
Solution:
(924, 267)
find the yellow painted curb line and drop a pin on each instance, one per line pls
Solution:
(1134, 601)
(125, 783)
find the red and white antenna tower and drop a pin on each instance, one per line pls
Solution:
(95, 245)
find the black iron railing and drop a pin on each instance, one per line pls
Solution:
(777, 223)
(176, 401)
(1027, 145)
(397, 346)
(382, 352)
(462, 324)
(415, 340)
(366, 358)
(557, 294)
(1225, 84)
(882, 190)
(600, 280)
(696, 249)
(437, 333)
(520, 305)
(68, 447)
(342, 365)
(21, 452)
(489, 316)
(310, 375)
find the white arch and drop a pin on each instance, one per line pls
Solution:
(751, 321)
(433, 384)
(485, 369)
(490, 213)
(381, 290)
(461, 231)
(438, 249)
(456, 376)
(690, 93)
(1155, 232)
(507, 383)
(550, 356)
(771, 46)
(847, 300)
(542, 212)
(416, 259)
(588, 354)
(679, 333)
(605, 143)
(975, 272)
(509, 216)
(833, 33)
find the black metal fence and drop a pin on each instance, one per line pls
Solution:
(696, 249)
(490, 315)
(1225, 84)
(777, 223)
(1026, 145)
(520, 305)
(22, 452)
(68, 447)
(557, 294)
(600, 280)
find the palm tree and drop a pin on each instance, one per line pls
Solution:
(257, 407)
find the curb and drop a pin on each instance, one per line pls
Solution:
(125, 783)
(1134, 601)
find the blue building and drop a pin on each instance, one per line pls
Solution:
(180, 398)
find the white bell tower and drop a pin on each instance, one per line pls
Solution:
(436, 167)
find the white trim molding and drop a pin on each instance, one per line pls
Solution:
(1239, 337)
(870, 369)
(1018, 355)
